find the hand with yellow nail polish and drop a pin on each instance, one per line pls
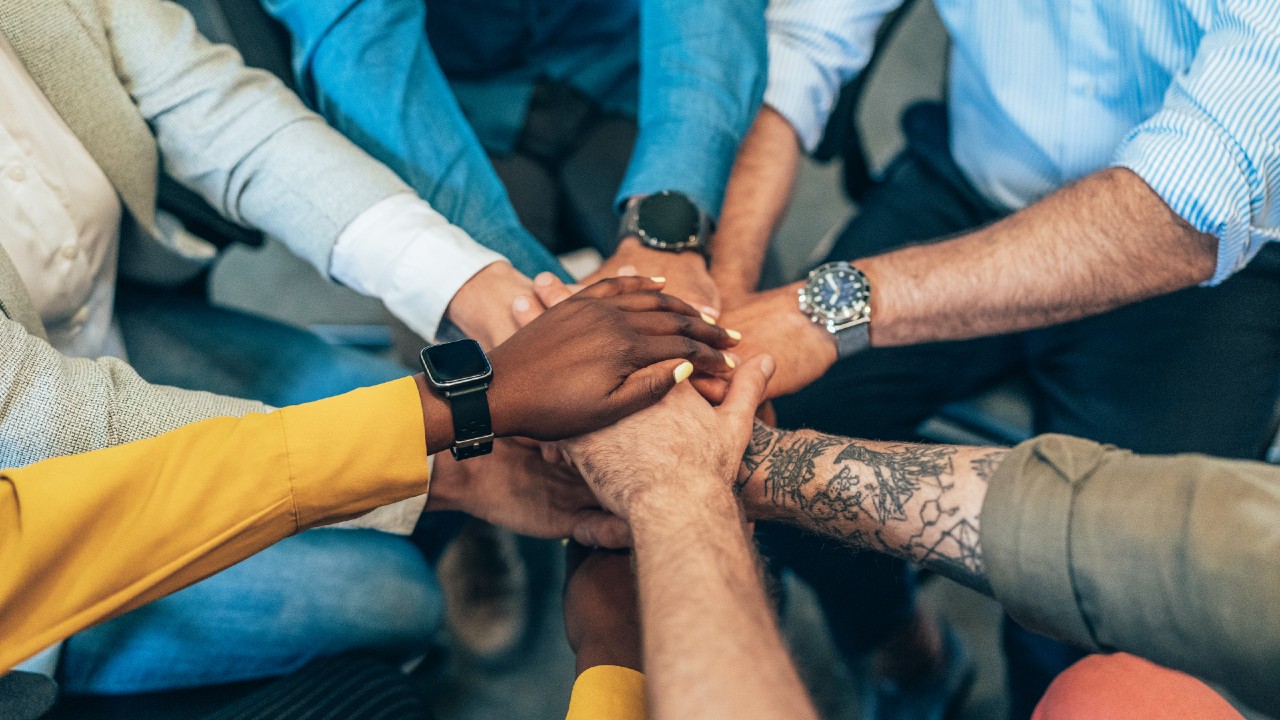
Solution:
(669, 458)
(612, 349)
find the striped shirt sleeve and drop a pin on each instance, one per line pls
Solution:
(1212, 151)
(815, 47)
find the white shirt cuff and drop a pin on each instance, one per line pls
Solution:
(410, 257)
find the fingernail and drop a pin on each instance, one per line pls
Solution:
(767, 365)
(520, 304)
(543, 279)
(658, 279)
(733, 334)
(710, 311)
(564, 542)
(683, 371)
(708, 319)
(627, 271)
(730, 361)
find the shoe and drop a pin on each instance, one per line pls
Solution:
(936, 697)
(486, 592)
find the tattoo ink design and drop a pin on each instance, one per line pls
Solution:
(794, 466)
(898, 473)
(764, 441)
(985, 465)
(863, 490)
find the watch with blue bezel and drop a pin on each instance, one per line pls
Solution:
(837, 296)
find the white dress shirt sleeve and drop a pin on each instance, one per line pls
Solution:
(407, 255)
(815, 47)
(1212, 152)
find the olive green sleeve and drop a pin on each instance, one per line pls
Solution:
(1174, 558)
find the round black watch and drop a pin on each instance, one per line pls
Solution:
(461, 372)
(670, 222)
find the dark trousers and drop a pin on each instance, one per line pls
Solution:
(1194, 371)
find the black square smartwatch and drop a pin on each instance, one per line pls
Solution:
(461, 372)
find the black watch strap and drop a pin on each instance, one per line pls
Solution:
(472, 427)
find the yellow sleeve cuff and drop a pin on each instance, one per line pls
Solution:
(608, 692)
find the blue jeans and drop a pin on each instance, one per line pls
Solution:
(320, 593)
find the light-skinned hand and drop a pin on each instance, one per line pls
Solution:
(675, 452)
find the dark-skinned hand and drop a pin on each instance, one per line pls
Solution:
(610, 350)
(549, 291)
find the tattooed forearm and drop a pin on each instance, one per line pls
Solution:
(919, 502)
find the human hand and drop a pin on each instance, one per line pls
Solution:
(513, 487)
(674, 453)
(480, 308)
(549, 291)
(601, 608)
(686, 272)
(610, 350)
(771, 322)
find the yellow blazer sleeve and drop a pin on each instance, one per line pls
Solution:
(84, 538)
(608, 692)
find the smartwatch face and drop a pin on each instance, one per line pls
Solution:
(456, 363)
(838, 293)
(668, 218)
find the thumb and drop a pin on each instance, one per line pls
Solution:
(647, 386)
(746, 389)
(525, 309)
(596, 528)
(551, 290)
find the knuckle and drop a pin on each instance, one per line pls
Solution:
(691, 348)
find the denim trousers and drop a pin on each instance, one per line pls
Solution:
(1194, 371)
(320, 593)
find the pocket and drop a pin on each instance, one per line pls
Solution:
(473, 39)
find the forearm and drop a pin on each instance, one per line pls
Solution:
(712, 647)
(755, 202)
(918, 502)
(1101, 243)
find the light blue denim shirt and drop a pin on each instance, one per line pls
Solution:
(424, 85)
(1186, 93)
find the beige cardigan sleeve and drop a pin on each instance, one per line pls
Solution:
(1175, 558)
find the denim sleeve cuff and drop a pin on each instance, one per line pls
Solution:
(1026, 534)
(800, 90)
(684, 157)
(1204, 176)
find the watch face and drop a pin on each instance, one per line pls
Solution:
(456, 363)
(668, 218)
(837, 293)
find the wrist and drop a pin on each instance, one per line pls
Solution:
(437, 417)
(648, 260)
(673, 506)
(482, 306)
(821, 343)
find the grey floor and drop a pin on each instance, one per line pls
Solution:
(536, 685)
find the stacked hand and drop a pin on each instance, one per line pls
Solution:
(676, 452)
(612, 349)
(771, 322)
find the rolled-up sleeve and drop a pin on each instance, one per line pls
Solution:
(815, 47)
(1173, 558)
(1212, 151)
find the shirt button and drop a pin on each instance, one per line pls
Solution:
(17, 173)
(69, 252)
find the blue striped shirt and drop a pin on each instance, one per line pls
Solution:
(1185, 93)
